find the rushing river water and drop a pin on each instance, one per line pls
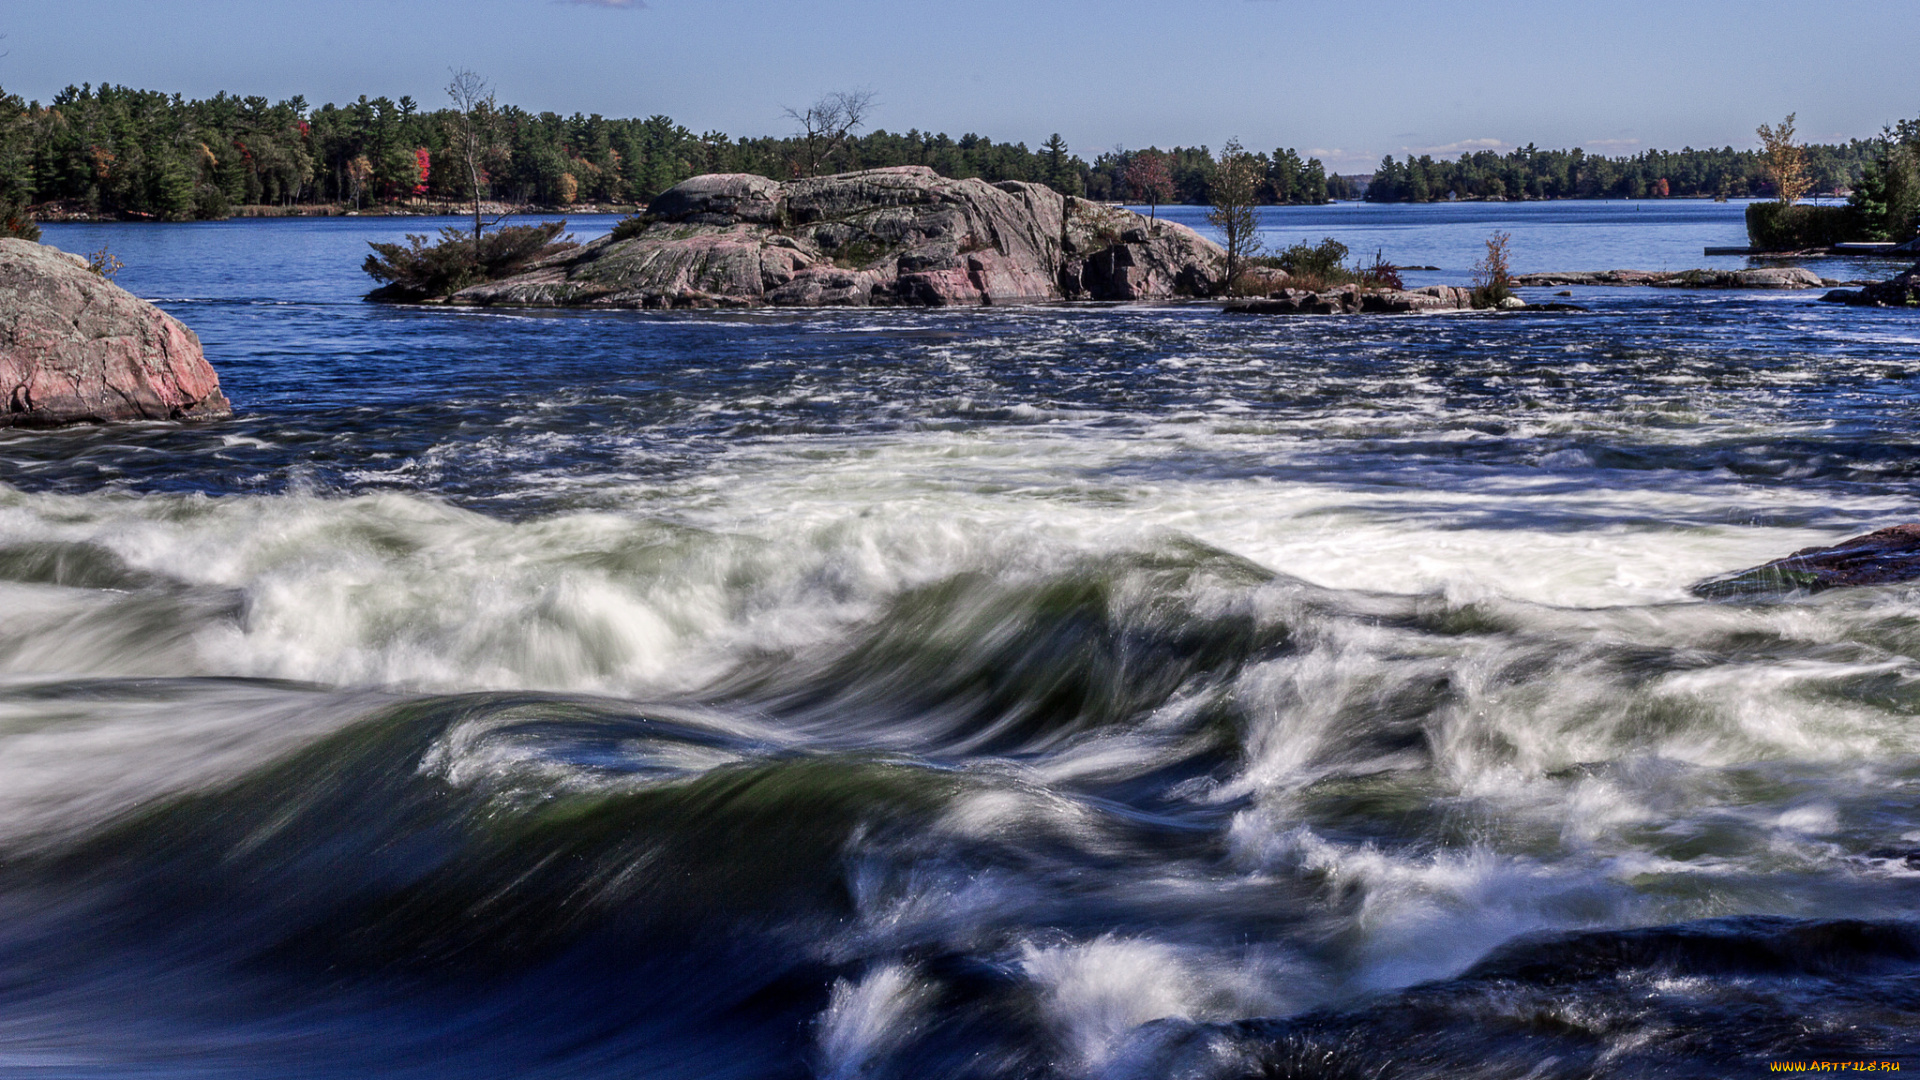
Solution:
(1054, 691)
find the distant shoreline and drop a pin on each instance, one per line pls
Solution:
(60, 215)
(54, 213)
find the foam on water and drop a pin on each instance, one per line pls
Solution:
(868, 1019)
(1095, 993)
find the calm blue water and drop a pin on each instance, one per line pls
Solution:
(1057, 691)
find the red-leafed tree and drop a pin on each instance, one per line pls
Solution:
(1150, 182)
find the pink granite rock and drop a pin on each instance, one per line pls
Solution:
(902, 235)
(76, 348)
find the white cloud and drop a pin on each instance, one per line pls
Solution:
(1454, 149)
(1338, 159)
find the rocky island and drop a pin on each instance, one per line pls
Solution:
(76, 348)
(896, 236)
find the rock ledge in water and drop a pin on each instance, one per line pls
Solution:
(1885, 557)
(76, 348)
(1772, 277)
(1900, 291)
(898, 236)
(1354, 300)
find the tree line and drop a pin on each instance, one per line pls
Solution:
(1532, 173)
(142, 153)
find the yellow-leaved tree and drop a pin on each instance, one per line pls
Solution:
(1785, 161)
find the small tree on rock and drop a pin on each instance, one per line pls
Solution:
(1151, 182)
(1784, 160)
(1236, 183)
(1493, 274)
(474, 129)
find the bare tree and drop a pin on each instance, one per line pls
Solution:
(1785, 160)
(827, 126)
(475, 129)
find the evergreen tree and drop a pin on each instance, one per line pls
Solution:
(16, 175)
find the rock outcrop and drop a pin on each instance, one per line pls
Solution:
(1354, 300)
(1901, 291)
(1885, 557)
(76, 348)
(884, 236)
(1771, 277)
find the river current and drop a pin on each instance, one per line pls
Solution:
(1078, 691)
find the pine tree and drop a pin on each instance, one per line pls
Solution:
(1055, 152)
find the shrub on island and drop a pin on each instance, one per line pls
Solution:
(1774, 226)
(418, 270)
(1317, 268)
(1493, 274)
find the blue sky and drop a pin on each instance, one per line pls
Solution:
(1347, 82)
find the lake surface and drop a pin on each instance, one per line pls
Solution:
(1031, 692)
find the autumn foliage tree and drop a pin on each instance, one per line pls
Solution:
(1785, 161)
(1149, 181)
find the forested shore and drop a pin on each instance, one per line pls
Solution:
(115, 151)
(1533, 173)
(118, 151)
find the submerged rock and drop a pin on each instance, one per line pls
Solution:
(1885, 557)
(76, 348)
(884, 236)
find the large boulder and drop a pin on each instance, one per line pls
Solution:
(883, 236)
(1885, 557)
(76, 348)
(1111, 253)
